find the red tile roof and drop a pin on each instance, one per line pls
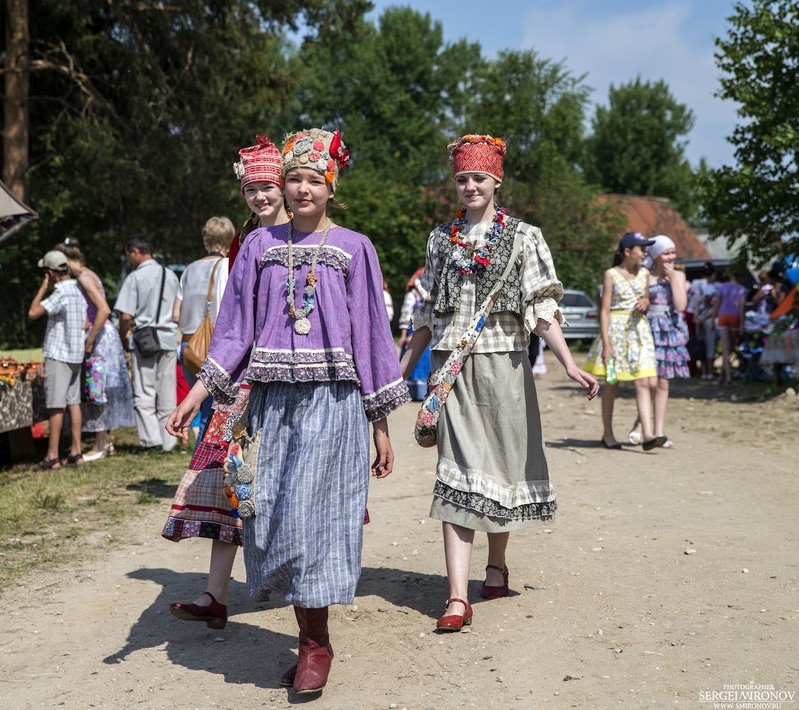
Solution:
(655, 215)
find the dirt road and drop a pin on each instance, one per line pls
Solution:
(668, 576)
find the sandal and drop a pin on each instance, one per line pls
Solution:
(654, 442)
(49, 464)
(668, 444)
(76, 460)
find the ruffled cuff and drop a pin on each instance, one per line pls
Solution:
(545, 309)
(386, 400)
(423, 317)
(218, 382)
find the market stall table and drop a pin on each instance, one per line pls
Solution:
(21, 405)
(781, 349)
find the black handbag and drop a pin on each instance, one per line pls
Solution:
(146, 338)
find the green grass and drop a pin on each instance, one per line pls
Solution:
(47, 517)
(31, 355)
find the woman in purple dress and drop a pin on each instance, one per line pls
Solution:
(304, 321)
(668, 298)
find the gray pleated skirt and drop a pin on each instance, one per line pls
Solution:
(310, 491)
(492, 473)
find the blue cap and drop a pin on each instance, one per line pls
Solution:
(634, 239)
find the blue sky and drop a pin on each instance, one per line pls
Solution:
(612, 42)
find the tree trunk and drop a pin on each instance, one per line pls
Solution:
(15, 127)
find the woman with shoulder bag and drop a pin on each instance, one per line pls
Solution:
(192, 303)
(492, 474)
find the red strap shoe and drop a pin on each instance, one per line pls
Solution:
(496, 592)
(214, 615)
(455, 622)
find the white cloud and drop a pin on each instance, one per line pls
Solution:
(651, 42)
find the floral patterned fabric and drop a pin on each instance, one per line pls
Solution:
(628, 332)
(670, 333)
(116, 388)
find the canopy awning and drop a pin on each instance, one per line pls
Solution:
(13, 214)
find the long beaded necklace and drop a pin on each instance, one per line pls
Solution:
(482, 256)
(302, 326)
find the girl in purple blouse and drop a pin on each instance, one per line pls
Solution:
(303, 320)
(728, 310)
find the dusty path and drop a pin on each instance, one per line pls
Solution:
(623, 616)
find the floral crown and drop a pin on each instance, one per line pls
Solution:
(319, 150)
(473, 139)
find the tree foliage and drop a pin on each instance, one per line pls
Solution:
(393, 90)
(394, 87)
(138, 110)
(539, 107)
(758, 198)
(638, 144)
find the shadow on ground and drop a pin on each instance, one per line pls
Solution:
(241, 652)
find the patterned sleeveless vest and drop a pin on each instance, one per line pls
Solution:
(446, 292)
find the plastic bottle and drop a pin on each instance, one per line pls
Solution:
(610, 372)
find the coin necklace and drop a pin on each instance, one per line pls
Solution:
(302, 326)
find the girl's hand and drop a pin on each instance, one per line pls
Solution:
(585, 380)
(384, 460)
(642, 305)
(178, 422)
(607, 353)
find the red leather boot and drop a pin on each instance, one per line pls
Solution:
(316, 653)
(287, 679)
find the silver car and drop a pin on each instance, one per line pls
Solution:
(581, 313)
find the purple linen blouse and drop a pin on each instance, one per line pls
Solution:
(350, 337)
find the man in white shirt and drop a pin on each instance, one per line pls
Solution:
(154, 376)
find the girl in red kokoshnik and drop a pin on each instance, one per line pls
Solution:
(200, 507)
(492, 474)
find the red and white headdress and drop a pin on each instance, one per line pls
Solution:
(477, 154)
(319, 150)
(259, 163)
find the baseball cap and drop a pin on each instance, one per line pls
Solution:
(634, 239)
(55, 260)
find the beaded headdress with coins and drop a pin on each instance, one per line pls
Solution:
(317, 149)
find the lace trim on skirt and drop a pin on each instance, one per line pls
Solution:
(475, 501)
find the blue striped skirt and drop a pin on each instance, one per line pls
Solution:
(311, 487)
